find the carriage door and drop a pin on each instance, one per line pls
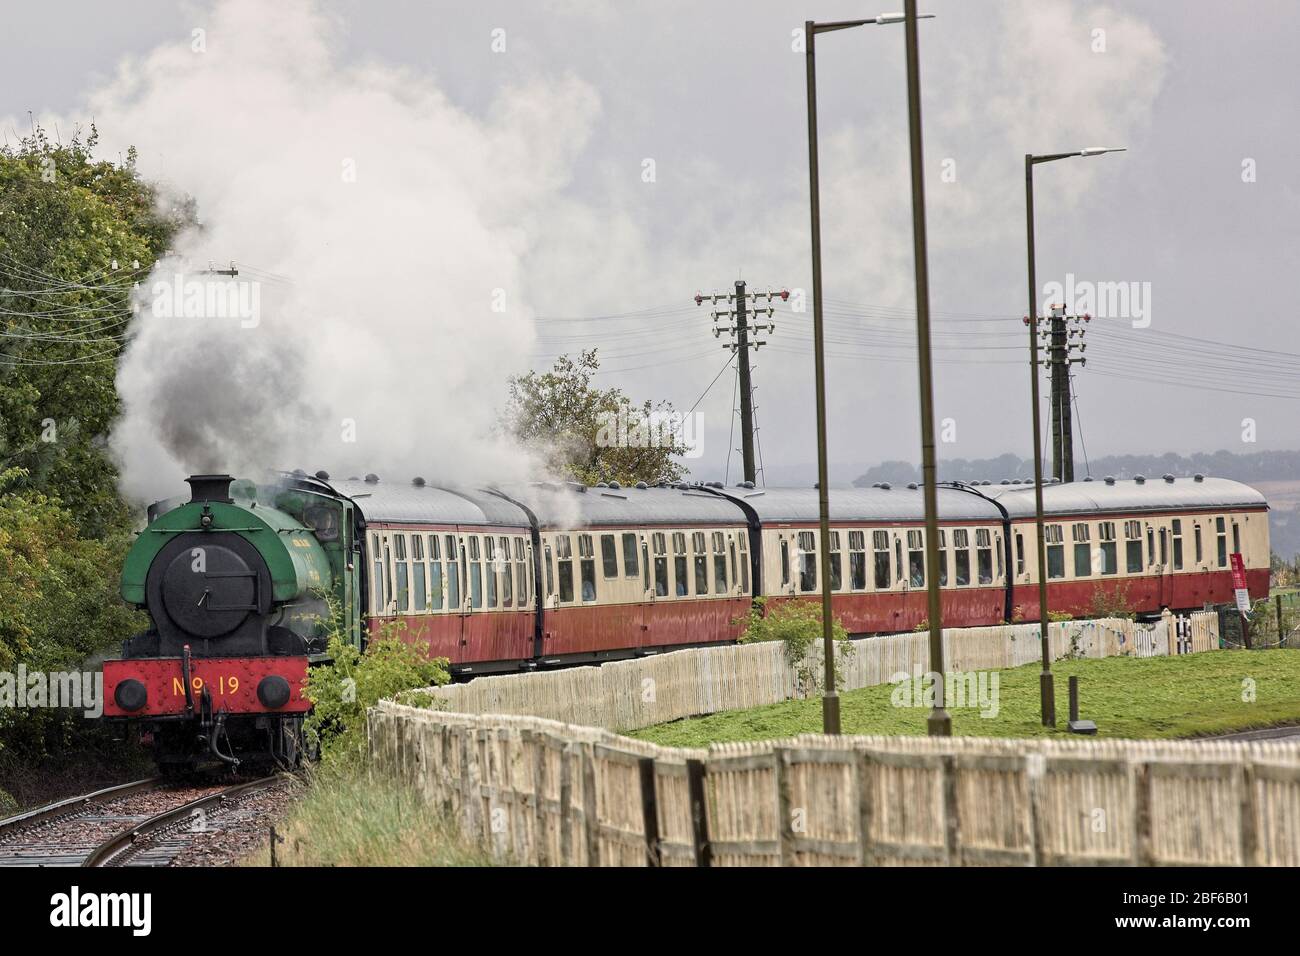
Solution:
(467, 566)
(1165, 569)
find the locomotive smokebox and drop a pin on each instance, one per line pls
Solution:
(210, 488)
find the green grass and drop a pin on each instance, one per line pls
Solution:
(349, 819)
(1183, 696)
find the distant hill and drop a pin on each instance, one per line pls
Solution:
(1275, 473)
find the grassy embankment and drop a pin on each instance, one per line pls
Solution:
(348, 819)
(1198, 694)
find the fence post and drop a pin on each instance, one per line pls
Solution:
(1249, 837)
(866, 809)
(1142, 848)
(1281, 634)
(784, 823)
(649, 810)
(699, 813)
(951, 818)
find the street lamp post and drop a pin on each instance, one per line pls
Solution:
(830, 696)
(1046, 687)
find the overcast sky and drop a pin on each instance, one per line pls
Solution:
(687, 169)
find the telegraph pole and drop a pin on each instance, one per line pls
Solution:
(1059, 339)
(741, 331)
(746, 393)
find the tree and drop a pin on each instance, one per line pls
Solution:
(593, 434)
(76, 233)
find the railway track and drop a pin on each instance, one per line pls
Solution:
(145, 823)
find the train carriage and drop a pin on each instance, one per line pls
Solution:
(877, 554)
(1150, 543)
(636, 570)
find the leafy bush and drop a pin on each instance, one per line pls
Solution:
(1112, 603)
(798, 626)
(352, 682)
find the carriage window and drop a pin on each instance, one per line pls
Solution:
(679, 564)
(997, 550)
(475, 573)
(419, 594)
(701, 564)
(961, 555)
(1055, 551)
(507, 578)
(523, 590)
(880, 557)
(1196, 533)
(403, 569)
(807, 561)
(1178, 543)
(1133, 546)
(435, 573)
(720, 573)
(453, 573)
(984, 555)
(492, 566)
(898, 556)
(1151, 544)
(1223, 542)
(1236, 538)
(659, 544)
(564, 566)
(377, 584)
(629, 555)
(1164, 547)
(732, 551)
(587, 560)
(1082, 550)
(857, 560)
(1020, 553)
(645, 568)
(1107, 552)
(785, 562)
(943, 558)
(915, 560)
(835, 565)
(388, 576)
(550, 575)
(608, 556)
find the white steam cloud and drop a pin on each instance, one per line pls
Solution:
(392, 215)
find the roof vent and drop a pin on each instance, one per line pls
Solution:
(912, 486)
(1198, 477)
(615, 485)
(1088, 478)
(299, 473)
(875, 484)
(1053, 480)
(1005, 481)
(1109, 479)
(323, 475)
(1140, 479)
(642, 485)
(417, 481)
(372, 479)
(602, 484)
(884, 486)
(745, 484)
(1168, 478)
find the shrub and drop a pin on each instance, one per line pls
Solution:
(798, 626)
(352, 682)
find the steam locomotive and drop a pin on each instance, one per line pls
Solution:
(243, 583)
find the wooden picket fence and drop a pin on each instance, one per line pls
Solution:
(627, 695)
(540, 792)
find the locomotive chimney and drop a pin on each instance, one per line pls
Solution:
(210, 488)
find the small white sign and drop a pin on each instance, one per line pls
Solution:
(1243, 600)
